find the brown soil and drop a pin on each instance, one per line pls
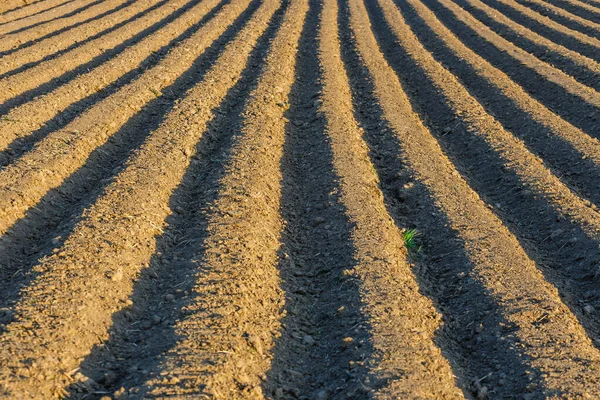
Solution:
(299, 199)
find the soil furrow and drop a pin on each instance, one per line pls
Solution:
(234, 309)
(29, 10)
(73, 73)
(594, 3)
(137, 337)
(24, 125)
(62, 152)
(12, 41)
(563, 17)
(22, 26)
(573, 101)
(34, 81)
(25, 8)
(560, 34)
(22, 41)
(538, 320)
(536, 215)
(562, 146)
(141, 195)
(322, 304)
(383, 353)
(584, 69)
(45, 226)
(578, 8)
(124, 13)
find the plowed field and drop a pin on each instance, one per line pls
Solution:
(300, 199)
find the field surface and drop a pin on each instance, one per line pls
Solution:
(300, 199)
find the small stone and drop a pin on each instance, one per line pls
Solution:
(117, 276)
(279, 393)
(589, 309)
(169, 297)
(156, 319)
(308, 340)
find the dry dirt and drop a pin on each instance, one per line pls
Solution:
(214, 199)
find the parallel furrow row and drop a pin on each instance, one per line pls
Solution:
(236, 297)
(75, 37)
(560, 34)
(503, 271)
(564, 17)
(13, 10)
(300, 199)
(397, 314)
(576, 102)
(160, 163)
(580, 8)
(582, 68)
(60, 153)
(28, 122)
(53, 71)
(51, 17)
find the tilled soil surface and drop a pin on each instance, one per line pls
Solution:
(300, 199)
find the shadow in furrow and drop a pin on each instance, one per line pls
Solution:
(81, 69)
(70, 14)
(564, 63)
(75, 45)
(30, 15)
(322, 302)
(21, 145)
(143, 332)
(555, 97)
(47, 225)
(68, 28)
(581, 174)
(572, 24)
(476, 338)
(548, 32)
(566, 256)
(593, 16)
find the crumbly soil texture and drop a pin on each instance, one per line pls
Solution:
(300, 199)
